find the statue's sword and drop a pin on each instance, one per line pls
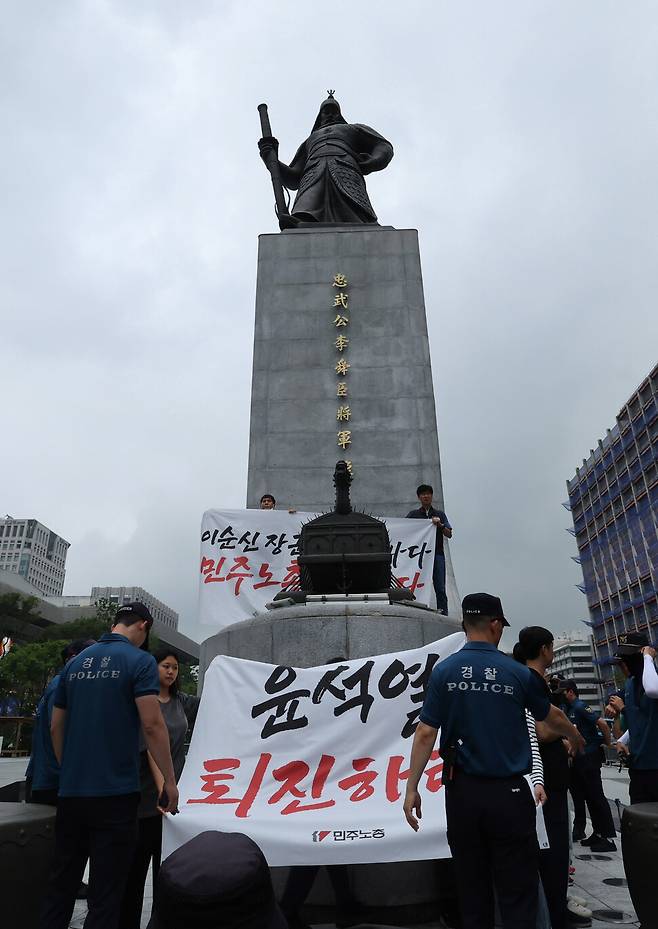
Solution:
(273, 164)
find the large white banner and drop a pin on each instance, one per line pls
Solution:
(312, 762)
(248, 556)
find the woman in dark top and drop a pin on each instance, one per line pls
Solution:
(535, 649)
(179, 711)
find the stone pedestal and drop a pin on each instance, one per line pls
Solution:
(301, 307)
(293, 443)
(311, 635)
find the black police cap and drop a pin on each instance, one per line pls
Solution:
(135, 609)
(483, 605)
(630, 643)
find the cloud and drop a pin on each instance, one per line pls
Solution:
(526, 142)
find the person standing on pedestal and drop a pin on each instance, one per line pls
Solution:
(425, 494)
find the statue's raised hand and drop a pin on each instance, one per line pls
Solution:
(268, 145)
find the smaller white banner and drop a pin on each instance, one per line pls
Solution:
(248, 556)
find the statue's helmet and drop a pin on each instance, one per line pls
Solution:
(329, 113)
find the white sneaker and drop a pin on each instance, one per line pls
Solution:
(578, 909)
(575, 899)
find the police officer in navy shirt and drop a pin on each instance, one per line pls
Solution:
(586, 771)
(103, 698)
(640, 708)
(477, 698)
(43, 770)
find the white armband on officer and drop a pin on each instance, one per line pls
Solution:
(650, 678)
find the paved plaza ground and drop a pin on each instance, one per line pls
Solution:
(592, 871)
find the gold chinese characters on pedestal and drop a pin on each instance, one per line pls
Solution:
(342, 366)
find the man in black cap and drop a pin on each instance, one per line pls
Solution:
(477, 698)
(640, 709)
(104, 696)
(586, 772)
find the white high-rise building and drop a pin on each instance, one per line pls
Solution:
(574, 660)
(38, 554)
(120, 595)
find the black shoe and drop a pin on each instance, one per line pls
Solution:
(591, 839)
(603, 845)
(575, 920)
(577, 835)
(82, 891)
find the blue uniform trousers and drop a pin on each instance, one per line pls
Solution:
(148, 849)
(643, 785)
(492, 835)
(439, 581)
(554, 861)
(586, 781)
(103, 829)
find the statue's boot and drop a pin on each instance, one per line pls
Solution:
(287, 221)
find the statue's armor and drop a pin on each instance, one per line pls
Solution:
(329, 151)
(331, 187)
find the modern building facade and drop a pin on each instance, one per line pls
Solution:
(613, 500)
(160, 612)
(36, 553)
(69, 609)
(574, 660)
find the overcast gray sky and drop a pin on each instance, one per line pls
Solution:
(526, 154)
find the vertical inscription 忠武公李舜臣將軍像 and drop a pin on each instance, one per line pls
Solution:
(342, 366)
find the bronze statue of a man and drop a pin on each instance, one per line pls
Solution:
(328, 170)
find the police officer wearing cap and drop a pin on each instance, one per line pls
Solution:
(640, 709)
(477, 698)
(104, 696)
(586, 771)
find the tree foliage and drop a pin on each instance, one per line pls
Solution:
(188, 677)
(25, 672)
(85, 628)
(36, 654)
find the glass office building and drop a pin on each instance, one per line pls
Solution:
(613, 500)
